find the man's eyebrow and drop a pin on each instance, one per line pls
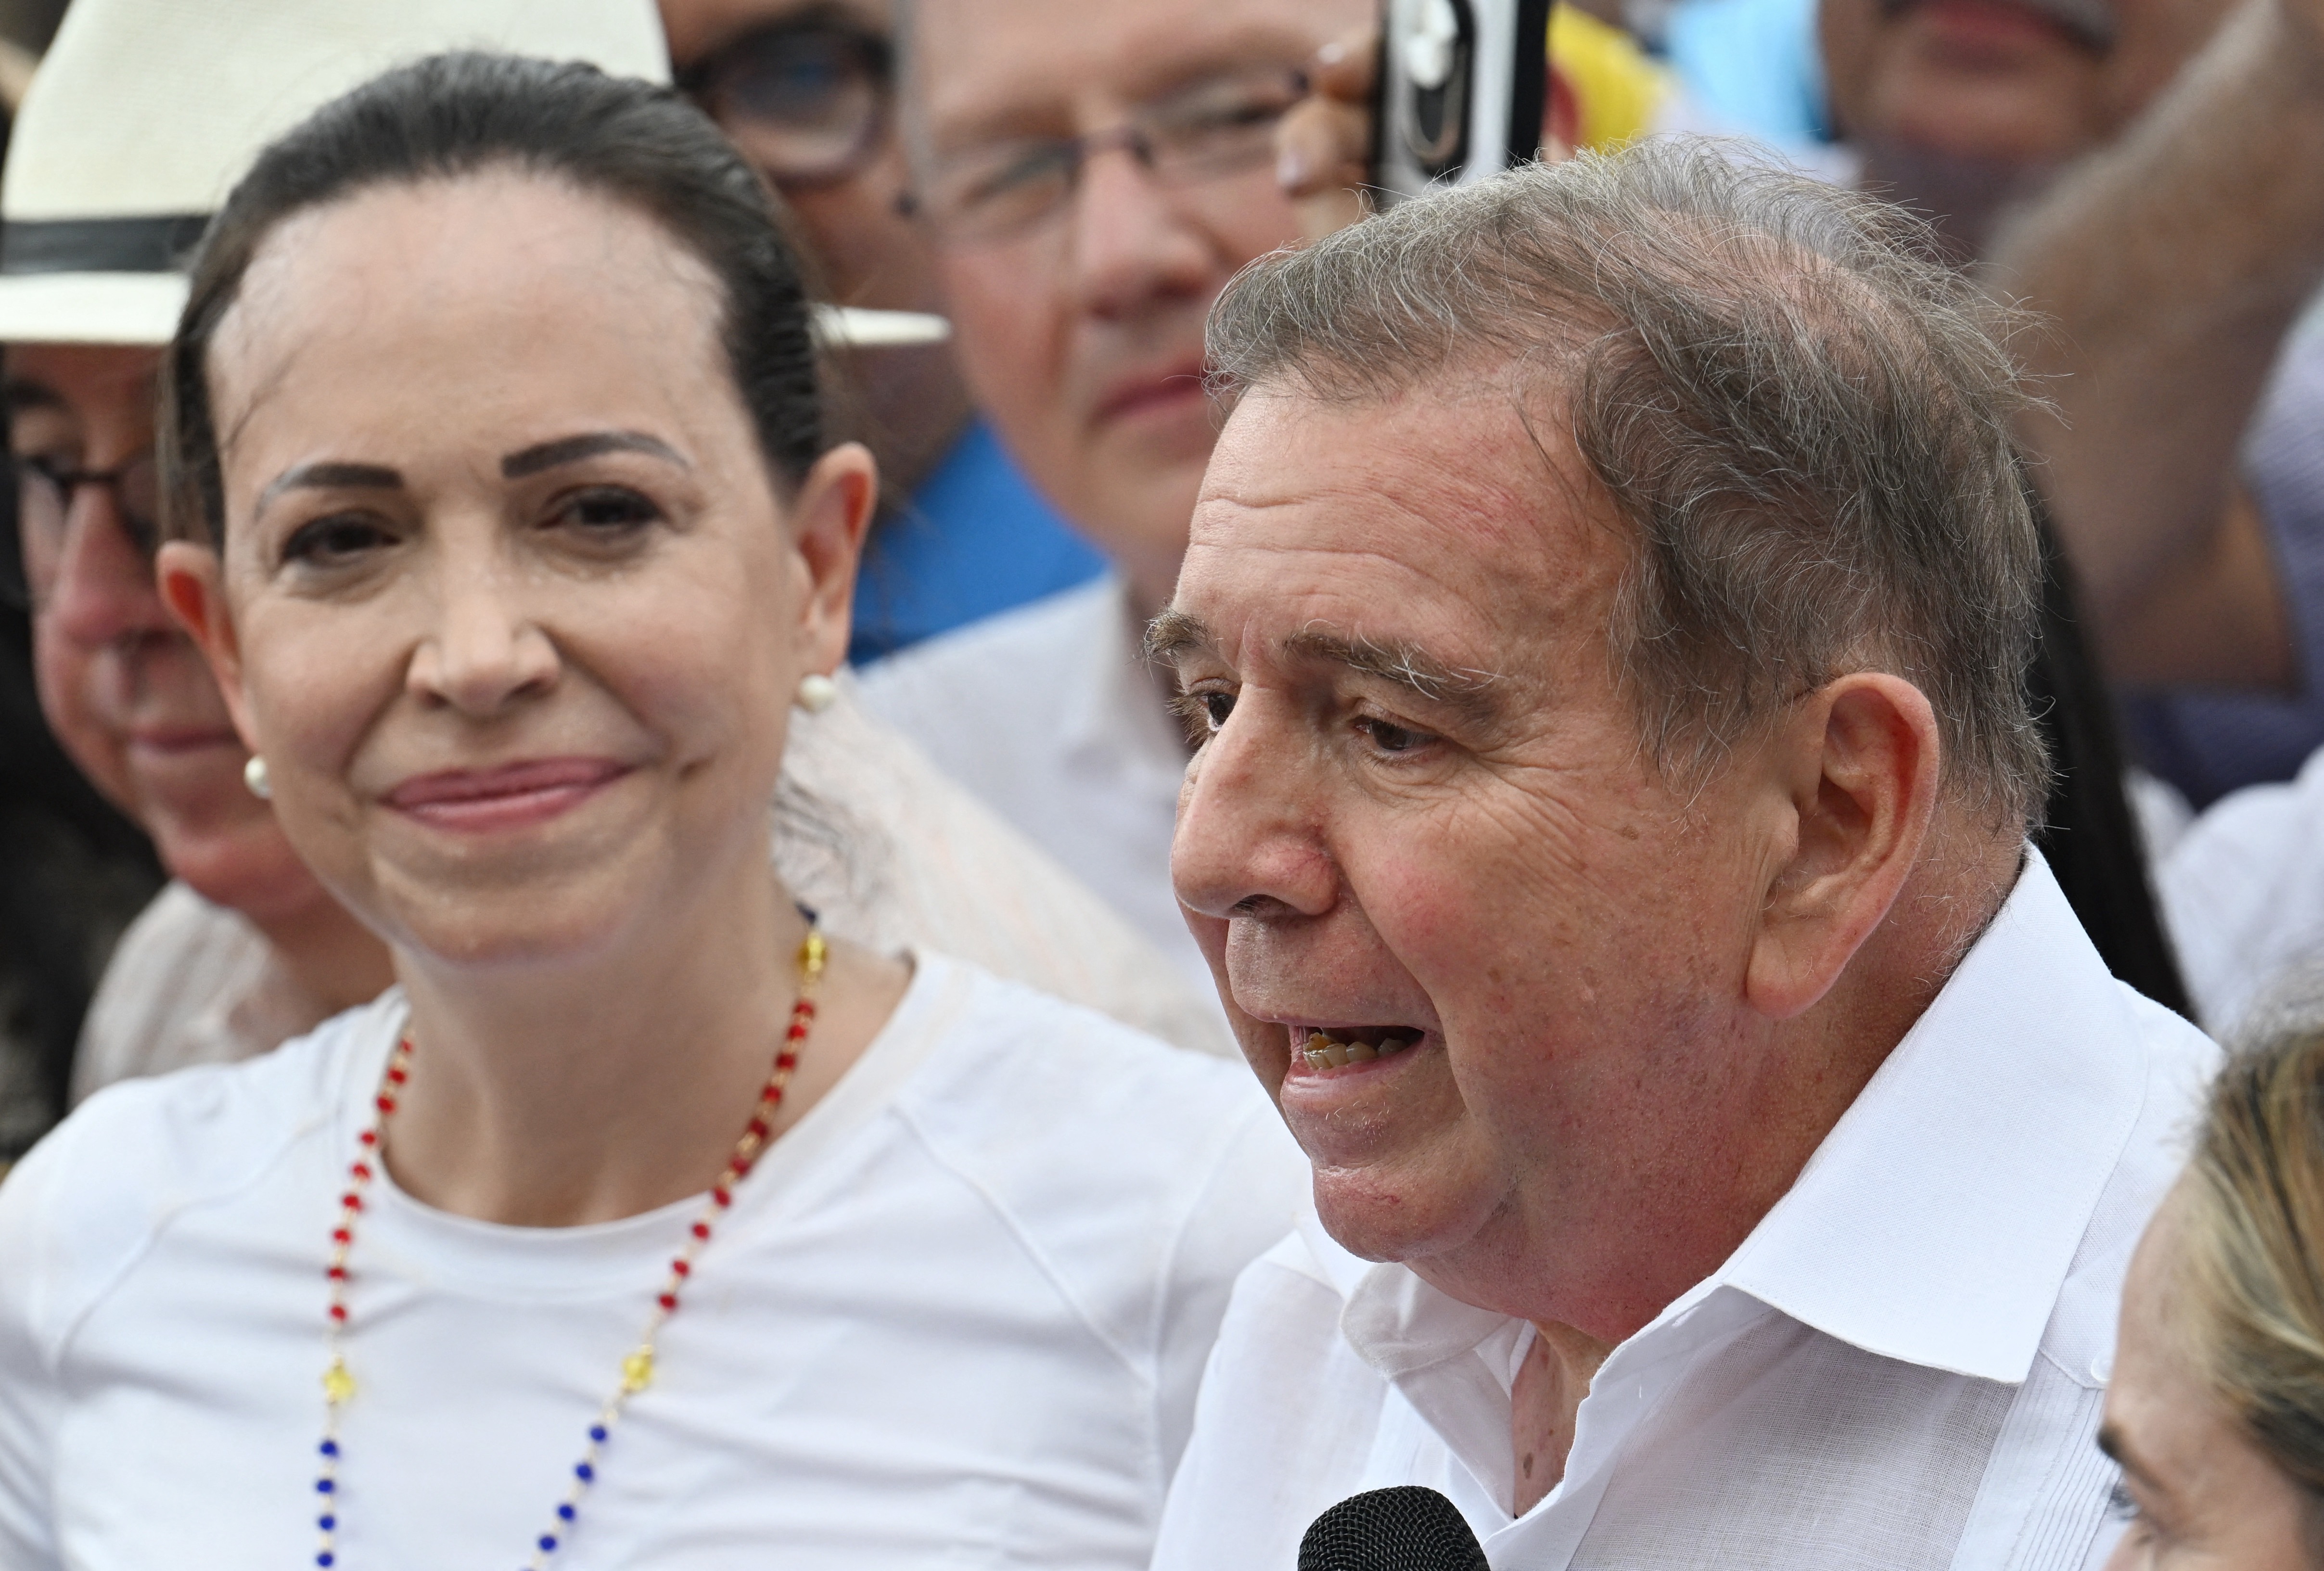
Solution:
(330, 476)
(1173, 633)
(543, 456)
(1468, 691)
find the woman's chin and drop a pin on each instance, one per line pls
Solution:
(577, 923)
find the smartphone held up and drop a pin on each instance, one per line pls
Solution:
(1462, 84)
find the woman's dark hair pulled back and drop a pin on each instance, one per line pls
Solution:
(455, 115)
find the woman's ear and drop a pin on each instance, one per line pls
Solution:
(829, 519)
(192, 583)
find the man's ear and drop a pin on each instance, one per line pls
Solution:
(829, 518)
(1860, 760)
(192, 582)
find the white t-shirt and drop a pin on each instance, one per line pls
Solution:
(955, 1319)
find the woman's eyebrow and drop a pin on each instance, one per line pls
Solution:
(330, 476)
(544, 455)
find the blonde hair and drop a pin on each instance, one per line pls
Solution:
(2253, 1217)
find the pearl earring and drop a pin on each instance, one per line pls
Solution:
(253, 775)
(816, 692)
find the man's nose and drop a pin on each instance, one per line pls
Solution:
(1132, 243)
(486, 650)
(1249, 842)
(102, 589)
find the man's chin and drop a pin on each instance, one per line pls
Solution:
(1378, 1216)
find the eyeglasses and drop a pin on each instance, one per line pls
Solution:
(44, 499)
(805, 101)
(1221, 126)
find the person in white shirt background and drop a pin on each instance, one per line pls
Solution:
(1617, 866)
(245, 950)
(1135, 143)
(508, 578)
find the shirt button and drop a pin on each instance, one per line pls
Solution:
(2102, 1368)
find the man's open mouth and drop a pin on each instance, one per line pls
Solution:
(1337, 1047)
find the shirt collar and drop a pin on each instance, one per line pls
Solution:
(1937, 1220)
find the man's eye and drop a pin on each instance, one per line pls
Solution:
(332, 541)
(1203, 714)
(1390, 737)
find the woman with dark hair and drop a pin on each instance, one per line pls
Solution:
(640, 1225)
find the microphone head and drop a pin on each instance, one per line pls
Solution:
(1405, 1528)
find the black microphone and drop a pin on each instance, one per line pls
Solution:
(1405, 1528)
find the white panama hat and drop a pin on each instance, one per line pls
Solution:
(144, 114)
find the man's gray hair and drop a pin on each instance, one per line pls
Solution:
(1790, 399)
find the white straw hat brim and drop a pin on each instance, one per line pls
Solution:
(91, 307)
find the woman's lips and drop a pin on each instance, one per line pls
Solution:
(509, 795)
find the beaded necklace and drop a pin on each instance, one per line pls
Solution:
(638, 1367)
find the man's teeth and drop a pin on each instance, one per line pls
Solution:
(1326, 1051)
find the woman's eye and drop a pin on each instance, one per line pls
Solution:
(330, 541)
(1391, 737)
(607, 510)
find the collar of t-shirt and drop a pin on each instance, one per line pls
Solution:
(1935, 1224)
(548, 1264)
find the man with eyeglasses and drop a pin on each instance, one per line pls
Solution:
(806, 89)
(1089, 174)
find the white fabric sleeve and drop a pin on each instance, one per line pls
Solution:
(30, 1291)
(1255, 1193)
(2243, 895)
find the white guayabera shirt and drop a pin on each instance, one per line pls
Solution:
(1900, 1369)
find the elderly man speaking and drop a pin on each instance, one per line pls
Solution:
(1603, 629)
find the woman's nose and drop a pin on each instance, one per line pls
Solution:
(1248, 842)
(99, 587)
(486, 650)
